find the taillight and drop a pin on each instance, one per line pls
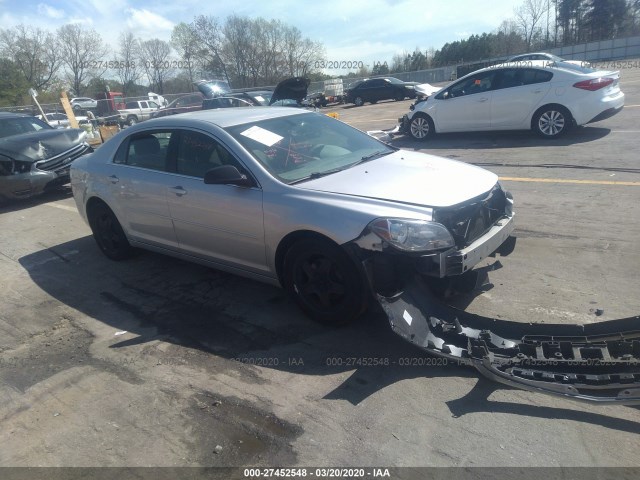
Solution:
(594, 84)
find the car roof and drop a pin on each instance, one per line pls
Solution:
(12, 115)
(227, 117)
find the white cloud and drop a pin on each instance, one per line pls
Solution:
(143, 19)
(49, 11)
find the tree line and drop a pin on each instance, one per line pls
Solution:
(241, 50)
(536, 25)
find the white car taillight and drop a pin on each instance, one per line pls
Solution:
(594, 84)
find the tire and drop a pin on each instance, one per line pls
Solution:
(399, 96)
(77, 108)
(551, 121)
(108, 233)
(132, 120)
(323, 281)
(358, 101)
(421, 127)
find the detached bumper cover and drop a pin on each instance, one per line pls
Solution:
(597, 362)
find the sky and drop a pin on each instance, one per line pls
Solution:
(358, 31)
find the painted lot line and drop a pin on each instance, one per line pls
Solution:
(562, 180)
(61, 207)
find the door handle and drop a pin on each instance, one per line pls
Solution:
(113, 179)
(179, 191)
(484, 99)
(537, 91)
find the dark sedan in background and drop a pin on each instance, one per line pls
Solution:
(374, 89)
(184, 104)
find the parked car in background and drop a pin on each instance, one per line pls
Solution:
(290, 92)
(137, 111)
(546, 98)
(375, 89)
(212, 88)
(34, 156)
(183, 104)
(60, 120)
(248, 98)
(83, 103)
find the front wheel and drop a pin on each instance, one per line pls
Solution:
(108, 233)
(358, 101)
(132, 120)
(323, 281)
(421, 127)
(551, 121)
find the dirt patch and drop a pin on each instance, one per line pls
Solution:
(231, 432)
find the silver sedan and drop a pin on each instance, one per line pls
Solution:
(293, 198)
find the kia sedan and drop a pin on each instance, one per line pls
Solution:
(293, 198)
(546, 97)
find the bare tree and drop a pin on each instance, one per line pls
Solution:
(508, 40)
(128, 63)
(528, 17)
(82, 51)
(185, 42)
(155, 57)
(237, 50)
(209, 34)
(301, 54)
(34, 52)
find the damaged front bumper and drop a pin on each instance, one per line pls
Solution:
(597, 362)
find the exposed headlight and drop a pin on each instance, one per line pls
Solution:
(412, 235)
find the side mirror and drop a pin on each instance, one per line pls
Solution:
(446, 96)
(227, 175)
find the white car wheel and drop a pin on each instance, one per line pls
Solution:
(420, 127)
(552, 122)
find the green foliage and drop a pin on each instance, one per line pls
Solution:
(13, 85)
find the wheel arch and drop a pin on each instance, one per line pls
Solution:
(287, 242)
(547, 105)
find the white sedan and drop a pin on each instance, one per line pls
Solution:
(546, 97)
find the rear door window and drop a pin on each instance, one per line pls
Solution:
(146, 150)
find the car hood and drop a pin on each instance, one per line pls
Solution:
(427, 89)
(294, 88)
(40, 145)
(212, 88)
(409, 177)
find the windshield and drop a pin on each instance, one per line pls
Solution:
(299, 147)
(20, 125)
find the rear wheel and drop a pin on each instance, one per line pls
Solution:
(108, 233)
(323, 281)
(552, 121)
(421, 127)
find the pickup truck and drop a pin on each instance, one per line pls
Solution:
(137, 111)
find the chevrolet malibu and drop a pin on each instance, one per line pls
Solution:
(546, 97)
(293, 198)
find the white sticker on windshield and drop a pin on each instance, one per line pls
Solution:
(259, 98)
(261, 135)
(407, 317)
